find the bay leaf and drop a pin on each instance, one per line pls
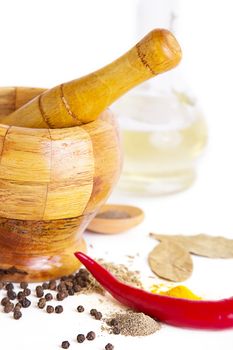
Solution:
(201, 244)
(171, 261)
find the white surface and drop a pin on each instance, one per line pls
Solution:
(203, 208)
(44, 43)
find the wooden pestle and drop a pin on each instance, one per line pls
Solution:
(82, 100)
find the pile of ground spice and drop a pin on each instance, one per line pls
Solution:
(130, 323)
(121, 272)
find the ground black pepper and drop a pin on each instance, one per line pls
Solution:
(90, 335)
(80, 338)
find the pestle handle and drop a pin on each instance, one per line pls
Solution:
(82, 100)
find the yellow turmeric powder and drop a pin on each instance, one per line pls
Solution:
(176, 292)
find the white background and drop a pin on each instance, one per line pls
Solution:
(47, 42)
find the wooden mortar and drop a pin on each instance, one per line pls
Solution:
(52, 182)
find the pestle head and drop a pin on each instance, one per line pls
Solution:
(159, 51)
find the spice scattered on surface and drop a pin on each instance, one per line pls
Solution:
(48, 296)
(176, 292)
(113, 214)
(39, 291)
(17, 314)
(59, 309)
(203, 245)
(23, 285)
(121, 272)
(80, 308)
(65, 344)
(131, 323)
(41, 303)
(80, 338)
(171, 261)
(90, 335)
(49, 309)
(25, 302)
(109, 347)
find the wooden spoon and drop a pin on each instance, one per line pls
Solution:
(113, 218)
(82, 100)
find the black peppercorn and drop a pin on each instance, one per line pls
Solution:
(41, 303)
(98, 315)
(90, 335)
(77, 288)
(80, 308)
(25, 302)
(80, 338)
(109, 347)
(20, 295)
(17, 307)
(52, 285)
(45, 285)
(48, 297)
(11, 294)
(5, 301)
(8, 307)
(39, 291)
(65, 344)
(50, 309)
(61, 296)
(71, 291)
(27, 292)
(116, 330)
(23, 285)
(59, 309)
(9, 286)
(93, 312)
(113, 322)
(17, 314)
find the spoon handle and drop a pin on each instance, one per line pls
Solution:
(82, 100)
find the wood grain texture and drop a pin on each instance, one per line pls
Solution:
(82, 100)
(52, 182)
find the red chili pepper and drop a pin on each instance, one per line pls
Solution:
(202, 314)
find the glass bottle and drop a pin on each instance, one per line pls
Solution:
(163, 129)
